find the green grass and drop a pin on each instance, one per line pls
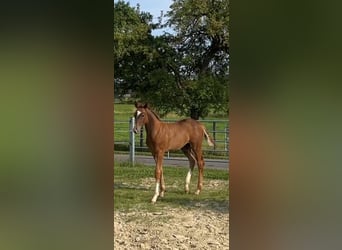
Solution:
(123, 111)
(134, 187)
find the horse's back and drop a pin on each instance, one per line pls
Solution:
(193, 127)
(188, 121)
(172, 136)
(185, 126)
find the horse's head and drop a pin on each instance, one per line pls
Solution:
(140, 116)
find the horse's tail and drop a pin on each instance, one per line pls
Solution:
(208, 138)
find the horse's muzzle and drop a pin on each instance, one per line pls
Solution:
(135, 130)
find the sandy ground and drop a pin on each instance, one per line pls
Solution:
(204, 226)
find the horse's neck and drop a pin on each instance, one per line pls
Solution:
(153, 123)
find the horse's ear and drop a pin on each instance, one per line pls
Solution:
(146, 105)
(136, 104)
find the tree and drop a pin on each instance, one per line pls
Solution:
(202, 33)
(201, 66)
(132, 36)
(131, 30)
(186, 72)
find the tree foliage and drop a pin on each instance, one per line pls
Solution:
(132, 39)
(202, 33)
(131, 30)
(186, 72)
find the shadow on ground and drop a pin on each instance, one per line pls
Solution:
(191, 201)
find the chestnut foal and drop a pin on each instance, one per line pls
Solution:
(161, 137)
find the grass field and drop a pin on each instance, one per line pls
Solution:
(134, 187)
(123, 112)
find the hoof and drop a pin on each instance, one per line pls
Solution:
(161, 194)
(154, 199)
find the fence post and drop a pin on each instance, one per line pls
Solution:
(226, 140)
(214, 133)
(142, 137)
(131, 141)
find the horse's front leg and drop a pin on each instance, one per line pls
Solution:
(159, 176)
(162, 184)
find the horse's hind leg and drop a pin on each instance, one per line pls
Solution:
(200, 164)
(188, 152)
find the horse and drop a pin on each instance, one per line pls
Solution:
(186, 134)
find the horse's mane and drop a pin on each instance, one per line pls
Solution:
(154, 113)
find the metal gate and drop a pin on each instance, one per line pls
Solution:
(135, 144)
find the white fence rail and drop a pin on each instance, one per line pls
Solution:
(126, 140)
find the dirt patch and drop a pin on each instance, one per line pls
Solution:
(176, 228)
(200, 225)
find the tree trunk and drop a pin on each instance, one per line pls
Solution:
(194, 113)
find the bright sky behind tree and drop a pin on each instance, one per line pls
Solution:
(154, 7)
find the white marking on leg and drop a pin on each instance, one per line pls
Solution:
(187, 181)
(198, 190)
(208, 138)
(156, 194)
